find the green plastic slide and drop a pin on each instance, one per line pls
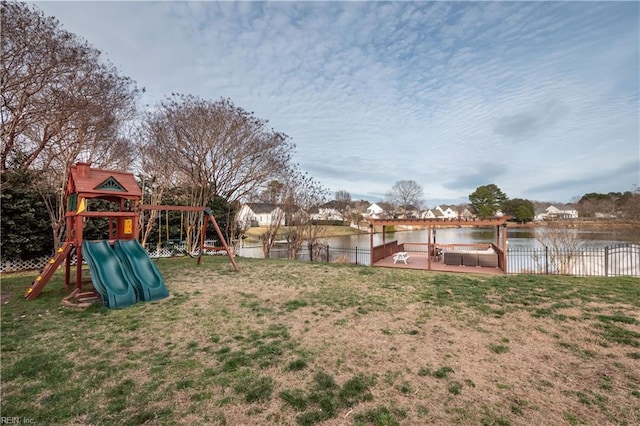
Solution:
(141, 271)
(108, 275)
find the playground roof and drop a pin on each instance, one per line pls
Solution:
(93, 183)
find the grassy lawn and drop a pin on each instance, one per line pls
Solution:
(301, 343)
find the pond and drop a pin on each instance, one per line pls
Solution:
(516, 238)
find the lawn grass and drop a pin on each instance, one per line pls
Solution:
(297, 343)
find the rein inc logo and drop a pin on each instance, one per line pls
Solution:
(16, 421)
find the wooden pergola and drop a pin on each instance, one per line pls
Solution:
(381, 252)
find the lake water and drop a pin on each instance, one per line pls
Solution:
(516, 237)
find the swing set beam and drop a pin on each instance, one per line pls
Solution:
(209, 214)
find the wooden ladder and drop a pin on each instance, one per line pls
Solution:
(41, 280)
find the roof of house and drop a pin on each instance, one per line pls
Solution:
(261, 208)
(334, 204)
(561, 207)
(386, 206)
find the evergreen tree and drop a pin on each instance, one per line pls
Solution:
(487, 199)
(26, 230)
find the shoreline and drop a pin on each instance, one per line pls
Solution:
(253, 234)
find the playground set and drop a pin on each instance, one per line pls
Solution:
(122, 272)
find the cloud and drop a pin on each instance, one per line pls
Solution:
(531, 123)
(482, 174)
(452, 95)
(604, 180)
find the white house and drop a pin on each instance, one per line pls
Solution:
(328, 212)
(466, 214)
(300, 216)
(439, 212)
(374, 211)
(260, 214)
(447, 212)
(553, 212)
(411, 212)
(540, 214)
(428, 214)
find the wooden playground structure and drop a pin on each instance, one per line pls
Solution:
(85, 183)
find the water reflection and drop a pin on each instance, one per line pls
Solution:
(516, 238)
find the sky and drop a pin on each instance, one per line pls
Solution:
(540, 98)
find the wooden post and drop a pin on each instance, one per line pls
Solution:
(67, 271)
(69, 238)
(78, 224)
(202, 237)
(136, 221)
(384, 243)
(211, 217)
(111, 235)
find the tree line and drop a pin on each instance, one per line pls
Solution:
(485, 201)
(488, 199)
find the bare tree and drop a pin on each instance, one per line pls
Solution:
(343, 196)
(343, 204)
(630, 210)
(405, 193)
(222, 149)
(303, 193)
(215, 148)
(268, 238)
(274, 195)
(157, 176)
(563, 243)
(294, 193)
(60, 103)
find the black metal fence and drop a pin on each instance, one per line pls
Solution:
(616, 260)
(325, 253)
(610, 261)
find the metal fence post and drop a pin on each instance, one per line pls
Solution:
(606, 261)
(356, 255)
(546, 260)
(327, 253)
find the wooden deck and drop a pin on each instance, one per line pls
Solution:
(420, 261)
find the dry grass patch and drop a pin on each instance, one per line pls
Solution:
(299, 343)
